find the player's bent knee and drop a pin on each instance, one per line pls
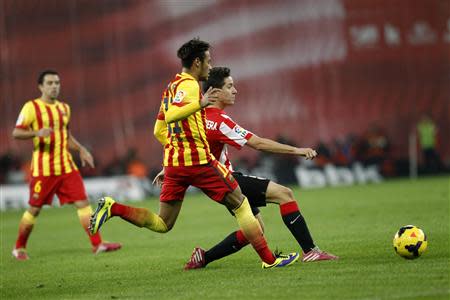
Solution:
(277, 193)
(157, 224)
(34, 210)
(233, 200)
(289, 193)
(168, 227)
(284, 194)
(81, 204)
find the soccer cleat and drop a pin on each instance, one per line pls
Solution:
(282, 260)
(316, 255)
(106, 247)
(101, 214)
(197, 260)
(20, 254)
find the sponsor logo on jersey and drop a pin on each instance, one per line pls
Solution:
(63, 113)
(211, 125)
(179, 96)
(241, 131)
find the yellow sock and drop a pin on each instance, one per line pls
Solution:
(28, 218)
(252, 231)
(247, 221)
(141, 217)
(155, 223)
(85, 211)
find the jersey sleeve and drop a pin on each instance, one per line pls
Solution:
(185, 102)
(160, 127)
(233, 134)
(27, 116)
(161, 115)
(68, 112)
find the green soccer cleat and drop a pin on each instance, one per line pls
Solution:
(282, 260)
(101, 214)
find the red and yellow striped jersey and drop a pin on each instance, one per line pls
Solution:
(186, 143)
(50, 155)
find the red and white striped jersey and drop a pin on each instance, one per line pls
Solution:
(221, 131)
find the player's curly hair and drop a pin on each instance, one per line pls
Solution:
(40, 79)
(216, 78)
(191, 50)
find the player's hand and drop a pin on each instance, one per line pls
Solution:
(86, 158)
(210, 97)
(308, 153)
(224, 96)
(44, 132)
(158, 180)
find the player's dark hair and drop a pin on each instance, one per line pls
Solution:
(191, 50)
(41, 76)
(216, 78)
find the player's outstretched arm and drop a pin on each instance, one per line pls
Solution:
(85, 155)
(24, 134)
(185, 109)
(268, 145)
(176, 113)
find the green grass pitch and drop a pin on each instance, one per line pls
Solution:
(357, 223)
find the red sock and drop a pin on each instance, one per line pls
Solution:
(135, 215)
(84, 216)
(259, 243)
(288, 208)
(260, 246)
(96, 239)
(120, 210)
(241, 238)
(263, 250)
(24, 232)
(252, 231)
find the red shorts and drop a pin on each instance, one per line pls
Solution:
(68, 187)
(214, 179)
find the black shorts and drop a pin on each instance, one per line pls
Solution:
(254, 188)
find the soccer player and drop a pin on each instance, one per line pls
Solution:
(45, 120)
(181, 128)
(223, 131)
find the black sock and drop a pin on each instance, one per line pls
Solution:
(297, 225)
(226, 247)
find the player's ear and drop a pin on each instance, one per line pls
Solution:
(197, 62)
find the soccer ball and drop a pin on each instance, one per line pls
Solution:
(410, 242)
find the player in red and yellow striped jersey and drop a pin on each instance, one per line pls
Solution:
(181, 127)
(187, 145)
(45, 120)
